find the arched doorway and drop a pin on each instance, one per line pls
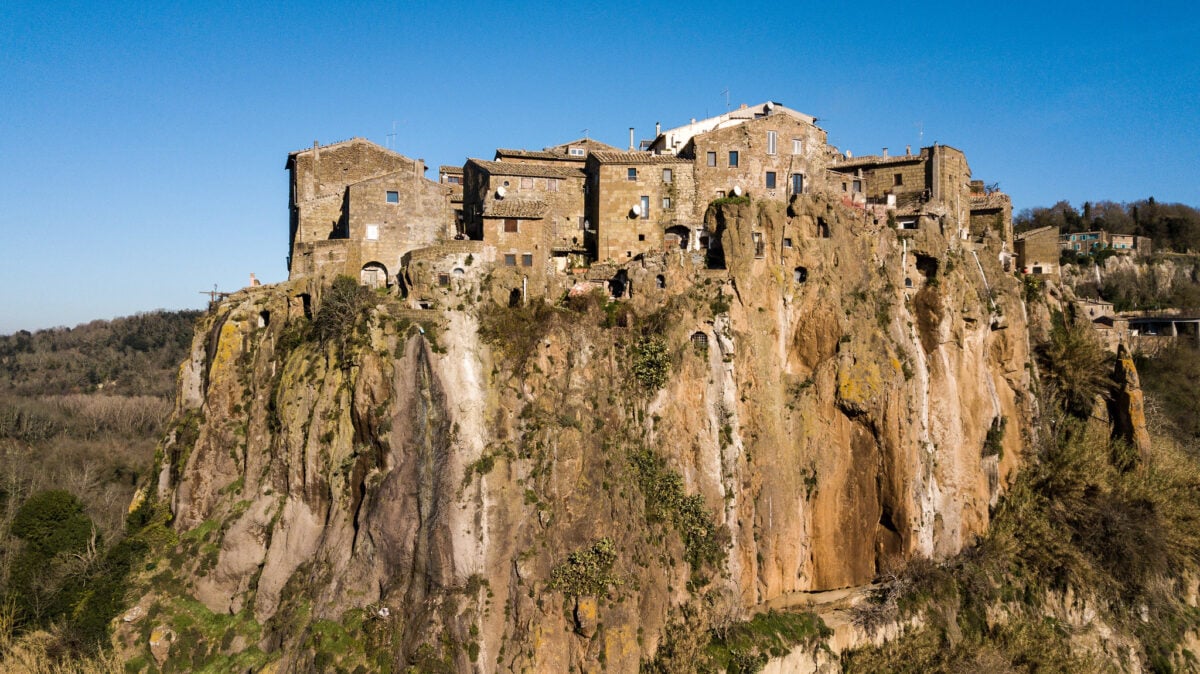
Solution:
(373, 275)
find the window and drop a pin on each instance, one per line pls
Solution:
(772, 141)
(760, 246)
(720, 194)
(797, 183)
(844, 187)
(898, 179)
(510, 225)
(733, 159)
(645, 207)
(641, 237)
(770, 180)
(787, 242)
(552, 184)
(526, 183)
(527, 260)
(631, 174)
(454, 180)
(372, 232)
(712, 158)
(667, 175)
(575, 151)
(857, 186)
(393, 197)
(443, 280)
(666, 203)
(510, 260)
(797, 146)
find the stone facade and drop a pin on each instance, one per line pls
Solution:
(357, 208)
(1037, 251)
(636, 200)
(771, 156)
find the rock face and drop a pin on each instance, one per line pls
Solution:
(1128, 406)
(519, 491)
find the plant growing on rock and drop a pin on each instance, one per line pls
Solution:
(651, 362)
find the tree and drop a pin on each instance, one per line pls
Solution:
(1074, 366)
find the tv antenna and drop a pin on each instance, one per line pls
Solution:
(214, 294)
(725, 92)
(585, 133)
(391, 137)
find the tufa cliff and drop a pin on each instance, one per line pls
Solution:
(557, 488)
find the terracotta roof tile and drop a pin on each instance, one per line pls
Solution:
(638, 158)
(516, 208)
(535, 170)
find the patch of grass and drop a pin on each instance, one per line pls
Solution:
(587, 572)
(667, 502)
(746, 646)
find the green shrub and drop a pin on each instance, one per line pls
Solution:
(651, 362)
(587, 571)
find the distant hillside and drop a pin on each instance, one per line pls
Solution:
(1172, 227)
(134, 355)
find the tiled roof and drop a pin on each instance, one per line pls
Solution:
(516, 208)
(450, 169)
(498, 168)
(536, 154)
(591, 144)
(1038, 231)
(875, 160)
(637, 158)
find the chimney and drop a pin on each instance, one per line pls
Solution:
(657, 129)
(885, 153)
(631, 139)
(907, 150)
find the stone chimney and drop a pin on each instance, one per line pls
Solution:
(885, 153)
(631, 139)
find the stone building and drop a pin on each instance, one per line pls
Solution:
(1084, 243)
(537, 218)
(356, 209)
(767, 151)
(533, 213)
(637, 202)
(1037, 251)
(452, 178)
(928, 189)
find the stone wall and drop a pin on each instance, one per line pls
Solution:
(749, 140)
(620, 234)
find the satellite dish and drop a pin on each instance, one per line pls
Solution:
(500, 191)
(637, 209)
(849, 155)
(769, 106)
(737, 190)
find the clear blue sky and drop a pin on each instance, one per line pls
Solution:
(142, 145)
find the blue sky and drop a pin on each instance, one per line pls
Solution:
(142, 145)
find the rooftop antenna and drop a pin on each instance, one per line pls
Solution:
(585, 134)
(391, 137)
(725, 91)
(214, 294)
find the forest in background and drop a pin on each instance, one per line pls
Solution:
(81, 411)
(1170, 227)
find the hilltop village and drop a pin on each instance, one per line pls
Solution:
(584, 213)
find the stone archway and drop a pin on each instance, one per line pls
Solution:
(373, 275)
